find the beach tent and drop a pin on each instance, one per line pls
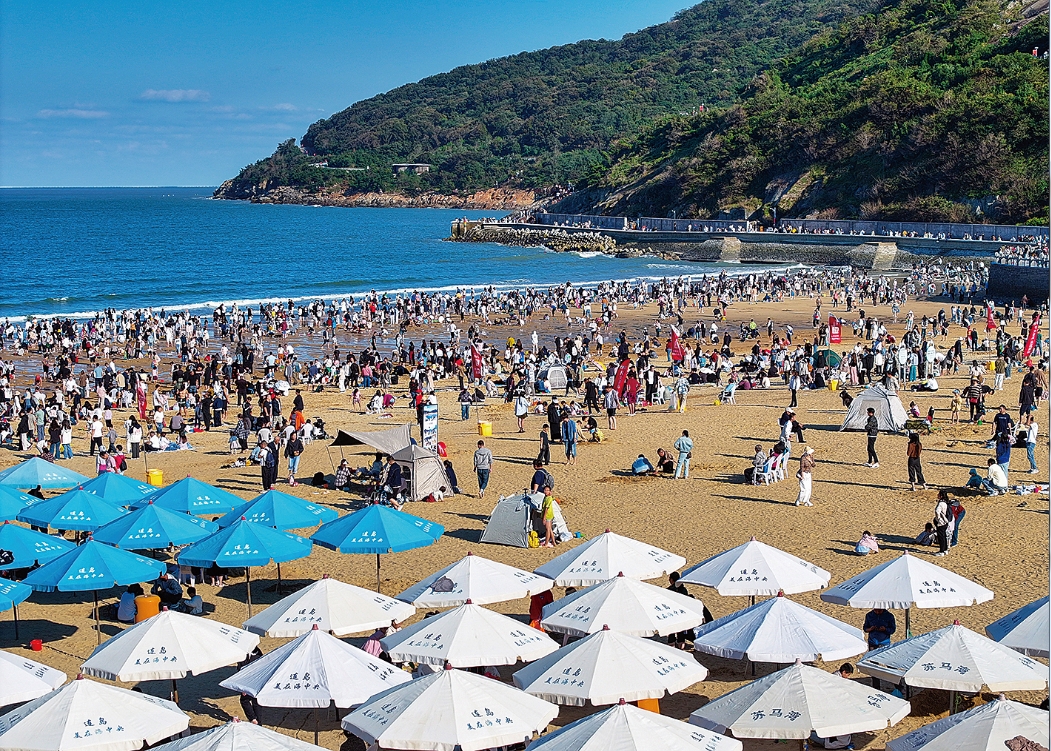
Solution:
(384, 441)
(512, 519)
(423, 471)
(829, 358)
(555, 375)
(889, 411)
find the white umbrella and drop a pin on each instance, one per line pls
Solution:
(627, 728)
(86, 714)
(313, 671)
(906, 581)
(779, 630)
(955, 658)
(1025, 630)
(756, 568)
(22, 679)
(238, 736)
(798, 700)
(169, 646)
(609, 666)
(450, 709)
(607, 555)
(476, 579)
(625, 605)
(332, 606)
(983, 728)
(469, 636)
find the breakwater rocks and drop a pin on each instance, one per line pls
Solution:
(553, 239)
(497, 199)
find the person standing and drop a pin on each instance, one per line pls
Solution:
(943, 518)
(1030, 442)
(521, 410)
(569, 439)
(483, 464)
(872, 431)
(958, 512)
(544, 457)
(265, 459)
(912, 452)
(805, 475)
(793, 386)
(611, 402)
(293, 452)
(879, 626)
(684, 445)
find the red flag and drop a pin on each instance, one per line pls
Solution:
(835, 331)
(620, 380)
(990, 318)
(677, 353)
(476, 362)
(1030, 341)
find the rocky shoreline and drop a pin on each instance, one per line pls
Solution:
(497, 199)
(557, 240)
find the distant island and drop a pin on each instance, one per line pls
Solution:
(919, 110)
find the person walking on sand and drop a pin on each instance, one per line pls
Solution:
(293, 452)
(612, 402)
(521, 410)
(569, 439)
(684, 445)
(912, 452)
(483, 464)
(872, 431)
(1030, 442)
(805, 475)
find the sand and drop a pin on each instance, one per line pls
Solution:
(1003, 540)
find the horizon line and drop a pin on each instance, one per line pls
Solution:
(96, 187)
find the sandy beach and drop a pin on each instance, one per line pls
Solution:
(1003, 539)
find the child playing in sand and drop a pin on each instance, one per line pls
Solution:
(954, 407)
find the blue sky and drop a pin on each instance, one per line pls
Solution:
(187, 93)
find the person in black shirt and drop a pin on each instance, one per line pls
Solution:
(679, 640)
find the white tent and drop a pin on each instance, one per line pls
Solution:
(423, 472)
(450, 710)
(315, 670)
(605, 667)
(798, 700)
(779, 630)
(477, 579)
(22, 680)
(1025, 630)
(984, 728)
(86, 714)
(889, 411)
(756, 568)
(604, 557)
(955, 658)
(625, 727)
(555, 375)
(238, 736)
(332, 606)
(169, 645)
(469, 636)
(625, 605)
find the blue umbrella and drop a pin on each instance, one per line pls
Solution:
(377, 529)
(281, 510)
(30, 547)
(192, 496)
(152, 527)
(93, 566)
(36, 471)
(12, 593)
(120, 490)
(246, 544)
(74, 509)
(13, 500)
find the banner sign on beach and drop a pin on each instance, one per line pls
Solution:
(675, 346)
(1030, 341)
(476, 362)
(835, 332)
(429, 430)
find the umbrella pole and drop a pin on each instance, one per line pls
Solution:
(315, 726)
(377, 572)
(248, 588)
(908, 623)
(278, 579)
(175, 691)
(952, 702)
(16, 621)
(98, 625)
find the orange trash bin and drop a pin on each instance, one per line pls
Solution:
(146, 606)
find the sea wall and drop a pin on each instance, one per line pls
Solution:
(1008, 282)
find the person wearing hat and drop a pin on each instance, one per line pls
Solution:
(805, 477)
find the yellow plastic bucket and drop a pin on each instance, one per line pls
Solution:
(485, 428)
(155, 477)
(146, 606)
(833, 385)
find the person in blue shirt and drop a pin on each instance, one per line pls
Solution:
(880, 626)
(569, 438)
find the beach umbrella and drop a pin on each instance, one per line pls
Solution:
(983, 728)
(12, 593)
(332, 606)
(476, 579)
(377, 529)
(36, 471)
(604, 557)
(119, 490)
(24, 680)
(169, 646)
(799, 700)
(86, 714)
(467, 637)
(29, 547)
(313, 671)
(152, 527)
(625, 605)
(12, 501)
(904, 582)
(75, 509)
(237, 736)
(244, 544)
(756, 569)
(625, 727)
(607, 666)
(1025, 630)
(954, 659)
(779, 630)
(191, 496)
(93, 566)
(450, 710)
(281, 510)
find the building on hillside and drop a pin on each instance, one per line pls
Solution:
(415, 167)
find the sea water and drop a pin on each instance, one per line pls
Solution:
(75, 251)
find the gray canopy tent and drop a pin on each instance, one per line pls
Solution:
(512, 520)
(385, 441)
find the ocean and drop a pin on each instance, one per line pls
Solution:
(75, 251)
